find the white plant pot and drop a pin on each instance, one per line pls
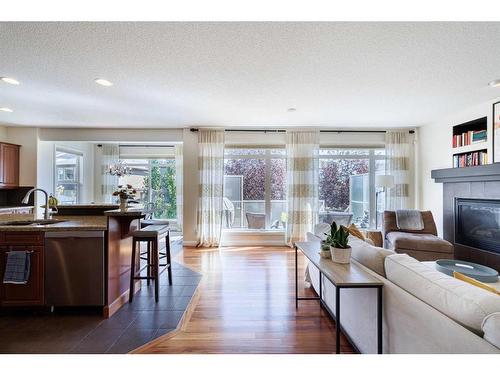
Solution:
(341, 255)
(325, 254)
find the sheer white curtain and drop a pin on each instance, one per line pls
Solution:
(110, 154)
(179, 184)
(211, 184)
(302, 149)
(398, 156)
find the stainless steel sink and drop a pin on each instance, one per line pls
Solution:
(32, 222)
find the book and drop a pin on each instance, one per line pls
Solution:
(470, 159)
(469, 137)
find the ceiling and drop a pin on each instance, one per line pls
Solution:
(171, 75)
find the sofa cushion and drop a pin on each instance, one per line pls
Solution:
(368, 255)
(491, 329)
(417, 241)
(460, 301)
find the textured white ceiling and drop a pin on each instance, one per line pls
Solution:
(245, 74)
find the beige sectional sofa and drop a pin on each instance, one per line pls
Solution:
(424, 310)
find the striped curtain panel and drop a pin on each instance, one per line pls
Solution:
(211, 183)
(179, 185)
(110, 154)
(397, 150)
(302, 149)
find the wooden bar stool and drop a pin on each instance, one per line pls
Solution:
(152, 235)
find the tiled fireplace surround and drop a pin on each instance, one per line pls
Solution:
(476, 183)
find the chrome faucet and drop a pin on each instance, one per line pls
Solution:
(26, 198)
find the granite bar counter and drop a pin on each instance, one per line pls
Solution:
(85, 209)
(117, 227)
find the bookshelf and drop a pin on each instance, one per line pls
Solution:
(469, 143)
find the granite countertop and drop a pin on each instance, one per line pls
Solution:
(8, 208)
(89, 205)
(132, 211)
(68, 223)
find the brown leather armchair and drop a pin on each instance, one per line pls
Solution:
(423, 245)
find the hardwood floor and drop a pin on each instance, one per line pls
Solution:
(245, 304)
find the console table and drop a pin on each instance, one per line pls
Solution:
(343, 276)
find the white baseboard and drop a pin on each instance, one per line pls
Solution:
(190, 243)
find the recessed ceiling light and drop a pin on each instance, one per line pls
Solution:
(5, 109)
(10, 80)
(291, 109)
(495, 83)
(103, 82)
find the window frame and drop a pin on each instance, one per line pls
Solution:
(372, 157)
(77, 181)
(267, 156)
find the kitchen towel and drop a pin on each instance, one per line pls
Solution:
(17, 268)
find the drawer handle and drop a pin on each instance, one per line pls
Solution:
(27, 251)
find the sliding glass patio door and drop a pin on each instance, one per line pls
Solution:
(254, 188)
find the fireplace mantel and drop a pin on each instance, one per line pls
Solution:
(490, 172)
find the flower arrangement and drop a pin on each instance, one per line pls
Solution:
(125, 192)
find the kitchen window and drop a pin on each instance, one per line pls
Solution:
(254, 189)
(347, 184)
(68, 164)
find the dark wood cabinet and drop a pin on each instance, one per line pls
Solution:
(9, 165)
(31, 293)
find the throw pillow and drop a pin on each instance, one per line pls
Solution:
(354, 231)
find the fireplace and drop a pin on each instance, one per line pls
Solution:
(471, 212)
(477, 223)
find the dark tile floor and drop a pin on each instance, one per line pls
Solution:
(86, 331)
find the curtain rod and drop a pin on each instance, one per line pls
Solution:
(141, 146)
(321, 131)
(147, 146)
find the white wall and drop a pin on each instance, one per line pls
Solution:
(3, 134)
(190, 191)
(112, 135)
(435, 152)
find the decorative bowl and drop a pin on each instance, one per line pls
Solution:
(476, 271)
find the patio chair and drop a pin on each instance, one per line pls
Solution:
(256, 221)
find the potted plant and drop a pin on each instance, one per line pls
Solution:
(325, 250)
(125, 193)
(339, 244)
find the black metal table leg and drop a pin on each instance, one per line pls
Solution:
(337, 319)
(296, 281)
(379, 320)
(320, 289)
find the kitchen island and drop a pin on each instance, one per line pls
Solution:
(121, 225)
(48, 242)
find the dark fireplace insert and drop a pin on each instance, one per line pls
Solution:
(477, 223)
